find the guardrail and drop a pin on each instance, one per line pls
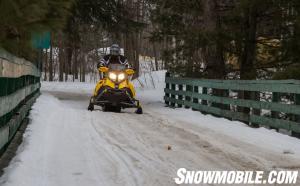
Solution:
(273, 103)
(19, 87)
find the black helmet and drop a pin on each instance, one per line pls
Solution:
(114, 50)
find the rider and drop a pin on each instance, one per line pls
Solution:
(114, 57)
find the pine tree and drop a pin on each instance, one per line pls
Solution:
(247, 36)
(20, 18)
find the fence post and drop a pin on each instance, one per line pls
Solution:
(3, 90)
(297, 117)
(180, 97)
(173, 96)
(167, 87)
(204, 102)
(195, 91)
(189, 88)
(275, 114)
(245, 110)
(255, 96)
(226, 106)
(204, 91)
(1, 68)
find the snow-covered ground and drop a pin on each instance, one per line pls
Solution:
(66, 145)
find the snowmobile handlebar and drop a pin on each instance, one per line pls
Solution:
(128, 71)
(103, 69)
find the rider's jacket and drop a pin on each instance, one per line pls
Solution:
(107, 59)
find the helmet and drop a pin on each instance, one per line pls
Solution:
(114, 50)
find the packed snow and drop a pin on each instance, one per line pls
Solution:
(66, 145)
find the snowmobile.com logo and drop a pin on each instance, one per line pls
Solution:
(235, 177)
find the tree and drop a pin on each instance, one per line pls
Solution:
(20, 18)
(214, 38)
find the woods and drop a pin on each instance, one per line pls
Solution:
(229, 39)
(214, 39)
(90, 29)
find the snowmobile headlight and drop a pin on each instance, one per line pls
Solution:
(121, 77)
(112, 76)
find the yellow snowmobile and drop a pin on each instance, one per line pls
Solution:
(115, 91)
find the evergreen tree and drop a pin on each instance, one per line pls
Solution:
(225, 36)
(20, 18)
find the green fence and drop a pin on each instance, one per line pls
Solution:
(19, 87)
(273, 103)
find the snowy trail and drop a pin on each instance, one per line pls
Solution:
(66, 145)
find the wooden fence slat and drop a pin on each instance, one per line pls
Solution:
(275, 123)
(287, 108)
(186, 80)
(268, 87)
(4, 135)
(9, 102)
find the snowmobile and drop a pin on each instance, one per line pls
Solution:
(115, 91)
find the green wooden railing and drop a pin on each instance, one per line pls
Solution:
(273, 103)
(19, 87)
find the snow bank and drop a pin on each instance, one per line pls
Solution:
(260, 137)
(74, 87)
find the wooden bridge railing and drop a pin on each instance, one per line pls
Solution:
(19, 87)
(273, 103)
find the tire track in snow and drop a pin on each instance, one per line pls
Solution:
(132, 136)
(102, 142)
(148, 121)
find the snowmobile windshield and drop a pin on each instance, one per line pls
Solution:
(116, 67)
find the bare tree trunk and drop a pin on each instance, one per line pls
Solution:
(45, 64)
(131, 39)
(82, 62)
(55, 68)
(136, 55)
(51, 60)
(75, 65)
(68, 64)
(61, 57)
(84, 67)
(164, 65)
(249, 53)
(215, 68)
(155, 56)
(80, 68)
(215, 61)
(66, 68)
